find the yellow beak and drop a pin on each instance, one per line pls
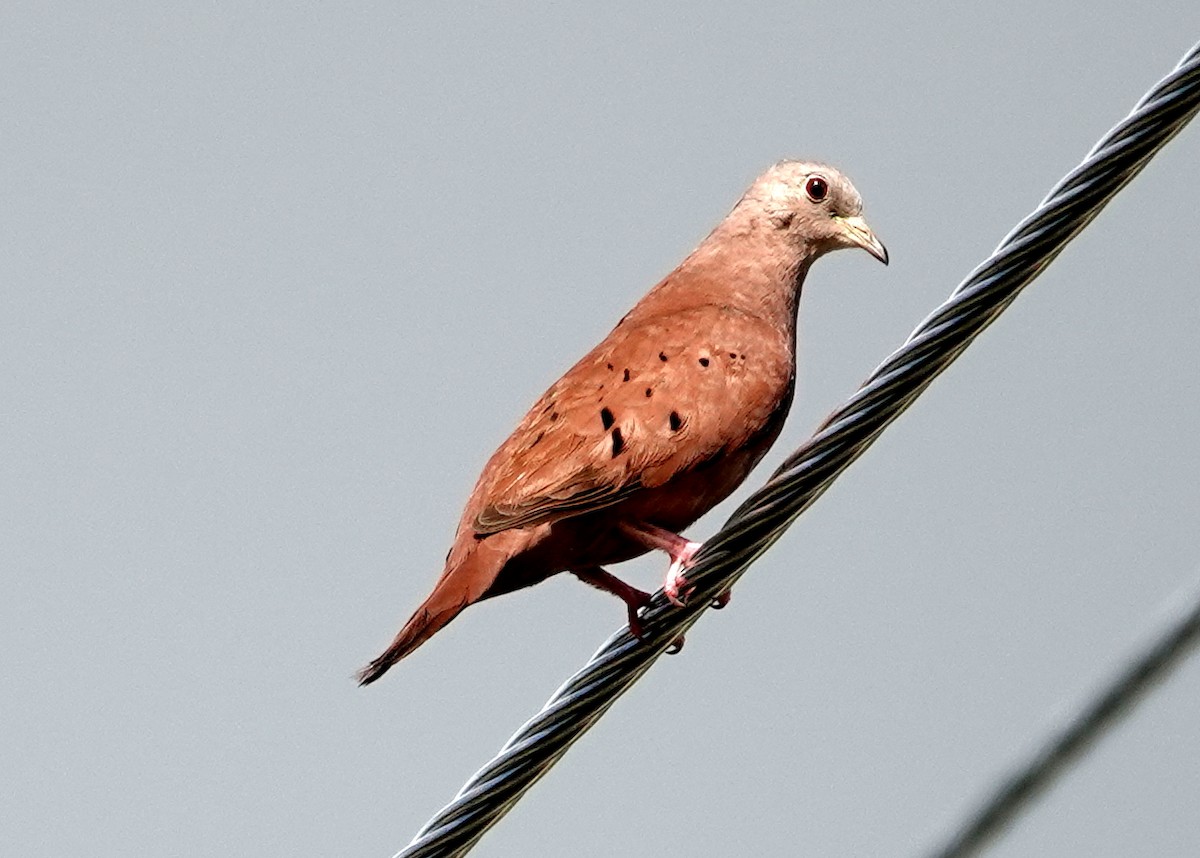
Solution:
(860, 235)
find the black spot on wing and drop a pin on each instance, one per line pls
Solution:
(618, 442)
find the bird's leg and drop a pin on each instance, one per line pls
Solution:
(680, 550)
(633, 598)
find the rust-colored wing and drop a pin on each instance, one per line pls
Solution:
(659, 396)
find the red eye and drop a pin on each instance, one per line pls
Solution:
(816, 188)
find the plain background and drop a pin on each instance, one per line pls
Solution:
(276, 280)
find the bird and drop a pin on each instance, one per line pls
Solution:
(659, 422)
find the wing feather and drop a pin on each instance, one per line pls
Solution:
(654, 399)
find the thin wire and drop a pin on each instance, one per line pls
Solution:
(808, 472)
(1101, 712)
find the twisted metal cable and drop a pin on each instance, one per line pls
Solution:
(1102, 711)
(810, 470)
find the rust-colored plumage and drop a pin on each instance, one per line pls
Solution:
(660, 421)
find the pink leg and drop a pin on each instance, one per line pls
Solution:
(680, 550)
(633, 598)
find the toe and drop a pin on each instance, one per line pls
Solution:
(673, 589)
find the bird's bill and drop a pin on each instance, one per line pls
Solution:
(860, 235)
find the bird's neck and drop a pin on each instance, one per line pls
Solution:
(752, 271)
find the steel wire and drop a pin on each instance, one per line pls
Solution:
(1172, 641)
(808, 472)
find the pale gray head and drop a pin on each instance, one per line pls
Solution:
(813, 204)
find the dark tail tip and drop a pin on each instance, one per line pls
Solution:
(373, 671)
(416, 631)
(404, 644)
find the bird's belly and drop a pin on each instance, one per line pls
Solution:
(679, 502)
(597, 538)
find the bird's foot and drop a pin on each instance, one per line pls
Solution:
(680, 550)
(633, 598)
(638, 629)
(722, 600)
(676, 586)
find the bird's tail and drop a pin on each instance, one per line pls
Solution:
(421, 626)
(467, 577)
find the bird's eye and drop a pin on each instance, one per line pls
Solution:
(816, 188)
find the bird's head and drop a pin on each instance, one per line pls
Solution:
(816, 205)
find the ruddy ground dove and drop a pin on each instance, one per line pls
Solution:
(659, 422)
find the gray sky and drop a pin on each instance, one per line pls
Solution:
(276, 281)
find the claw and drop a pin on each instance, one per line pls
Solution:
(638, 630)
(635, 624)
